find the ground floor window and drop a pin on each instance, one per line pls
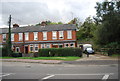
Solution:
(43, 45)
(31, 47)
(47, 45)
(36, 47)
(17, 49)
(66, 45)
(60, 45)
(72, 44)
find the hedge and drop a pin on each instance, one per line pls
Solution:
(50, 52)
(4, 53)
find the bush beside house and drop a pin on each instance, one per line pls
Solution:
(4, 53)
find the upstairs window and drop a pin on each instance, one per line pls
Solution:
(26, 36)
(12, 37)
(4, 37)
(54, 34)
(61, 35)
(69, 34)
(44, 35)
(20, 36)
(35, 35)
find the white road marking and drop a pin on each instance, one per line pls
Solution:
(48, 77)
(5, 74)
(84, 74)
(105, 77)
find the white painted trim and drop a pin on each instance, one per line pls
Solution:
(105, 77)
(48, 77)
(6, 74)
(85, 74)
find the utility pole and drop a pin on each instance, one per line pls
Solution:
(9, 44)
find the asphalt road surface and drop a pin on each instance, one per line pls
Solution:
(17, 71)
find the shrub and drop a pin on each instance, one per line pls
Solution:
(36, 54)
(16, 54)
(50, 52)
(4, 51)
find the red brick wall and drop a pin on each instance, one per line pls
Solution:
(40, 36)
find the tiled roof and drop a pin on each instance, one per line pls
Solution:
(41, 28)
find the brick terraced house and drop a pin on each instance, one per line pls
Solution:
(31, 38)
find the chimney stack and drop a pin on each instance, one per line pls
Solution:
(15, 25)
(43, 23)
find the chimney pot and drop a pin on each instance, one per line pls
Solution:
(15, 25)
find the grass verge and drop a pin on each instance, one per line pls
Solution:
(115, 55)
(45, 58)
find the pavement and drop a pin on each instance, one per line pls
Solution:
(92, 59)
(32, 61)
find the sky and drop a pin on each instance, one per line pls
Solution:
(30, 12)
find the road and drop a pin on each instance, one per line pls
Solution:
(17, 71)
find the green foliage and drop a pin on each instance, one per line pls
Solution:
(49, 23)
(86, 31)
(4, 51)
(108, 20)
(16, 54)
(49, 52)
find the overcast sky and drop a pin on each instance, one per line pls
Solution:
(27, 12)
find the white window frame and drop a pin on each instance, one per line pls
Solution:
(43, 45)
(12, 37)
(26, 36)
(4, 37)
(69, 34)
(44, 35)
(54, 34)
(66, 44)
(47, 45)
(73, 44)
(31, 45)
(18, 49)
(61, 34)
(59, 45)
(20, 36)
(35, 35)
(36, 45)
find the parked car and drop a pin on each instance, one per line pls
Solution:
(89, 50)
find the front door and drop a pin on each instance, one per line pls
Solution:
(26, 49)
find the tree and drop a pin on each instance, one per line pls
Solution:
(9, 44)
(108, 21)
(60, 23)
(49, 23)
(86, 31)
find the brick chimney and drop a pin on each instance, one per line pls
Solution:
(43, 23)
(15, 25)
